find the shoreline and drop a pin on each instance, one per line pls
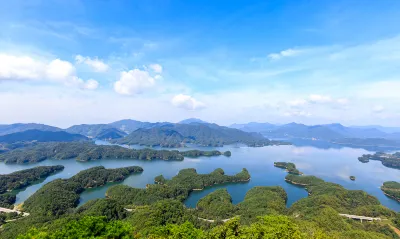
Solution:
(294, 183)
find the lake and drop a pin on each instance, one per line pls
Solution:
(333, 164)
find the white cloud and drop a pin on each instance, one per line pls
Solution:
(133, 82)
(96, 64)
(59, 70)
(157, 68)
(90, 84)
(284, 53)
(187, 102)
(21, 68)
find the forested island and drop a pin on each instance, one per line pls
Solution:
(179, 187)
(388, 160)
(290, 167)
(391, 189)
(83, 151)
(22, 179)
(61, 195)
(302, 180)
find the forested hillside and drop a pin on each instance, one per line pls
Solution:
(41, 136)
(15, 128)
(89, 151)
(174, 135)
(158, 212)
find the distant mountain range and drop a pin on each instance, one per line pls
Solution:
(336, 133)
(203, 133)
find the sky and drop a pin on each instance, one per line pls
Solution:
(279, 61)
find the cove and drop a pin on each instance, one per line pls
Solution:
(333, 164)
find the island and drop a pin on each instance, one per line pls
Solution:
(352, 178)
(302, 180)
(84, 151)
(21, 179)
(290, 167)
(388, 160)
(24, 178)
(391, 189)
(61, 195)
(178, 188)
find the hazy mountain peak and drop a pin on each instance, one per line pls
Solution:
(192, 120)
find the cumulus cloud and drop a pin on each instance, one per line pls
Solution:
(157, 68)
(59, 70)
(284, 53)
(187, 102)
(21, 68)
(133, 82)
(96, 64)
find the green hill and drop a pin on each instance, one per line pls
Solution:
(15, 128)
(90, 130)
(41, 136)
(173, 135)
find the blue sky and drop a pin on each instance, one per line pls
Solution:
(73, 62)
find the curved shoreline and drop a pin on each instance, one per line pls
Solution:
(294, 183)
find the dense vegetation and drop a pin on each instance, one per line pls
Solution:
(176, 135)
(88, 151)
(24, 178)
(109, 134)
(98, 131)
(7, 200)
(62, 195)
(41, 136)
(388, 160)
(216, 205)
(391, 189)
(316, 216)
(261, 201)
(90, 130)
(290, 167)
(302, 180)
(178, 187)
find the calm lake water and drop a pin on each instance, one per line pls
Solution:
(333, 164)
